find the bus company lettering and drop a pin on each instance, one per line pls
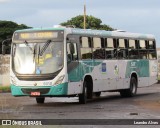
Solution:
(133, 64)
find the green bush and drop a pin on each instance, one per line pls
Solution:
(5, 89)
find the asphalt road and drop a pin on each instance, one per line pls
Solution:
(146, 105)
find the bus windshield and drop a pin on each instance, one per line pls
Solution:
(37, 58)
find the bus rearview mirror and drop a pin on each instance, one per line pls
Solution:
(3, 49)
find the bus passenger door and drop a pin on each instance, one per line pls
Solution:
(72, 63)
(73, 69)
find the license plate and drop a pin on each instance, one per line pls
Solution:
(35, 93)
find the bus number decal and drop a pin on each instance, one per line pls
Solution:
(47, 83)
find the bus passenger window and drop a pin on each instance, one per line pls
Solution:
(133, 50)
(143, 52)
(72, 52)
(151, 50)
(122, 51)
(98, 50)
(151, 45)
(132, 44)
(152, 54)
(111, 52)
(86, 52)
(142, 44)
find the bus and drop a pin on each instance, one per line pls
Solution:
(66, 62)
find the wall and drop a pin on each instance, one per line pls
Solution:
(158, 58)
(4, 70)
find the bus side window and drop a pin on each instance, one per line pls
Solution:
(86, 51)
(133, 49)
(122, 51)
(72, 54)
(143, 52)
(110, 49)
(151, 50)
(98, 48)
(151, 44)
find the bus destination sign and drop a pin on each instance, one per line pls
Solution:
(37, 35)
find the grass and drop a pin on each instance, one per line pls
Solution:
(5, 89)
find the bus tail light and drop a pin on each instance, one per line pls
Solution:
(60, 79)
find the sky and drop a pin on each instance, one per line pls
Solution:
(138, 16)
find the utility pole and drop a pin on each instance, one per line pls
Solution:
(85, 15)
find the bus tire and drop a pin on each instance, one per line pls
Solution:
(40, 100)
(97, 94)
(83, 96)
(132, 89)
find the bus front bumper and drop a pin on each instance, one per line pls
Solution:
(58, 90)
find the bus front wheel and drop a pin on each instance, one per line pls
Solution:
(132, 90)
(40, 100)
(83, 96)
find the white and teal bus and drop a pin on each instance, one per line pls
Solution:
(65, 62)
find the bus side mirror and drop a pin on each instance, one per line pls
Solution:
(71, 47)
(6, 45)
(3, 49)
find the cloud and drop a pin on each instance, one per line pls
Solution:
(135, 16)
(3, 1)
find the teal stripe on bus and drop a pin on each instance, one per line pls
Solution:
(84, 67)
(141, 67)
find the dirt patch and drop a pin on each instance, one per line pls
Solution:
(153, 105)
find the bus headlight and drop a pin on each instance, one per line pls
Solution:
(60, 79)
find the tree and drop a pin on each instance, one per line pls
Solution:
(7, 29)
(91, 23)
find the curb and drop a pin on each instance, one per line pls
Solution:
(1, 91)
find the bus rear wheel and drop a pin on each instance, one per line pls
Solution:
(40, 100)
(97, 94)
(132, 90)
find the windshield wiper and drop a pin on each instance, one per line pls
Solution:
(32, 49)
(34, 52)
(26, 43)
(45, 46)
(39, 53)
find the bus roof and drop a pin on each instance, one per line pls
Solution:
(39, 29)
(90, 32)
(113, 34)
